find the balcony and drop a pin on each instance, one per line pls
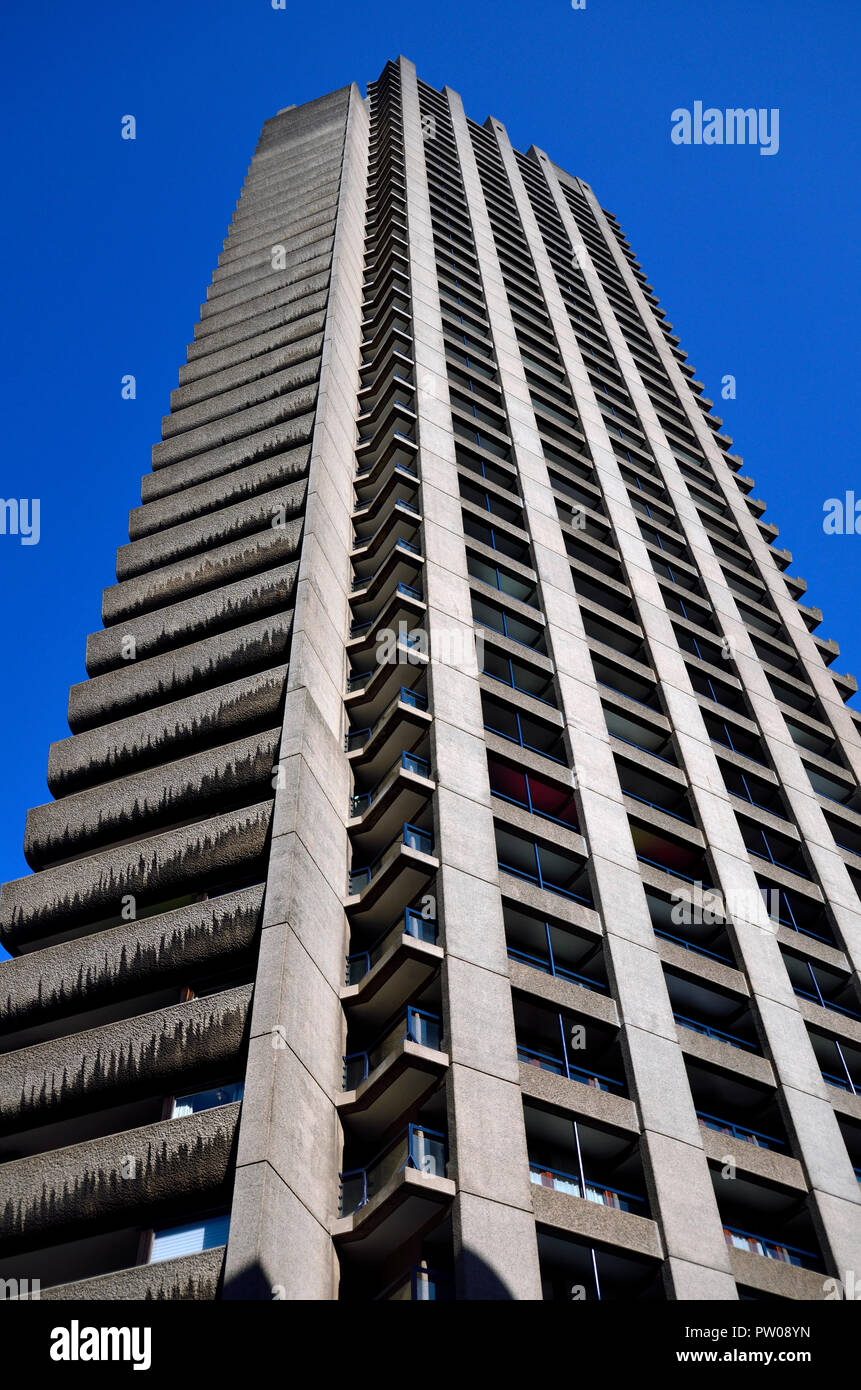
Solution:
(520, 727)
(389, 1200)
(383, 888)
(396, 1071)
(570, 1183)
(574, 1046)
(413, 925)
(372, 745)
(533, 793)
(509, 624)
(770, 1249)
(817, 983)
(399, 564)
(549, 869)
(370, 692)
(398, 488)
(417, 1026)
(555, 949)
(749, 1136)
(680, 858)
(560, 1066)
(533, 680)
(399, 797)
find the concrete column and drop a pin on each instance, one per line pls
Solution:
(834, 1187)
(494, 1232)
(683, 1201)
(289, 1153)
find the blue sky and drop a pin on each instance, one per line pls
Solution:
(109, 244)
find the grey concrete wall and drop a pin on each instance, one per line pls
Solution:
(286, 1195)
(495, 1248)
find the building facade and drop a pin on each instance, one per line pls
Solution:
(452, 884)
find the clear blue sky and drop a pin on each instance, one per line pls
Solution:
(108, 246)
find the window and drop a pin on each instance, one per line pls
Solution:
(525, 789)
(206, 1100)
(203, 1234)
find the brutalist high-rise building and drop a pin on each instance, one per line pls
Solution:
(452, 884)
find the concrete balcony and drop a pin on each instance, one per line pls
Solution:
(384, 889)
(135, 1056)
(259, 545)
(400, 1071)
(394, 968)
(396, 1195)
(295, 428)
(595, 1222)
(177, 513)
(776, 1277)
(164, 733)
(190, 1278)
(139, 956)
(147, 799)
(297, 309)
(68, 1192)
(152, 870)
(372, 750)
(173, 675)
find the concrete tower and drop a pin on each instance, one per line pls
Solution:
(452, 884)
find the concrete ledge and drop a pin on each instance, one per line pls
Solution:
(732, 1059)
(577, 1098)
(595, 1222)
(217, 495)
(146, 1052)
(175, 674)
(277, 439)
(277, 381)
(193, 619)
(563, 993)
(91, 889)
(64, 1189)
(191, 1278)
(249, 310)
(160, 734)
(90, 970)
(248, 383)
(295, 314)
(765, 1163)
(240, 424)
(775, 1277)
(241, 556)
(218, 525)
(132, 805)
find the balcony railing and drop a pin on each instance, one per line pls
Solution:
(411, 835)
(717, 1033)
(771, 1249)
(690, 946)
(416, 1026)
(548, 965)
(413, 924)
(541, 877)
(357, 738)
(844, 1083)
(561, 1067)
(410, 762)
(417, 1147)
(750, 1136)
(595, 1192)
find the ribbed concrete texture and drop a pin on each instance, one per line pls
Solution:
(451, 886)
